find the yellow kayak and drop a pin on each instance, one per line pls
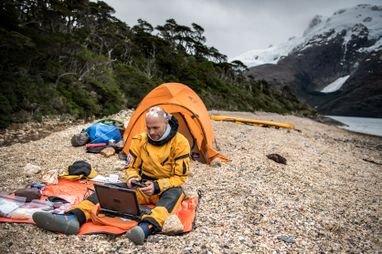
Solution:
(251, 121)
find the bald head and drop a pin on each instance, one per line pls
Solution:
(156, 112)
(156, 122)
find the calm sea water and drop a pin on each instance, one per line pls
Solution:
(366, 125)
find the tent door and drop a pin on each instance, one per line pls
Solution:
(184, 129)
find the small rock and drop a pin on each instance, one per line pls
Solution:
(188, 250)
(154, 239)
(123, 113)
(258, 232)
(172, 225)
(122, 156)
(277, 158)
(108, 151)
(189, 192)
(216, 163)
(80, 139)
(50, 177)
(285, 238)
(118, 165)
(31, 169)
(35, 136)
(119, 145)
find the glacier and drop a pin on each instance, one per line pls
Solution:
(335, 85)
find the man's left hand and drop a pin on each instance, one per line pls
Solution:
(149, 189)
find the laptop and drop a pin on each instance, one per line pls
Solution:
(116, 201)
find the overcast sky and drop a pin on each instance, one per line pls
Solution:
(234, 26)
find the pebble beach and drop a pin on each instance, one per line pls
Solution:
(326, 198)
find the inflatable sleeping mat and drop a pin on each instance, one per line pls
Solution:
(76, 191)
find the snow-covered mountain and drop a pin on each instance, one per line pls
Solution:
(336, 65)
(360, 21)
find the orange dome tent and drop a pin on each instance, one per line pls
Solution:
(186, 106)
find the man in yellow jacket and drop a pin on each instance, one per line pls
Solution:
(160, 158)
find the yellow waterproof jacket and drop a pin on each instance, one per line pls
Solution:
(167, 164)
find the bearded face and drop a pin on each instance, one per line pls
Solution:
(155, 126)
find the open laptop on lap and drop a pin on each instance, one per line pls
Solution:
(116, 201)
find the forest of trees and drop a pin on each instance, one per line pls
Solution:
(74, 57)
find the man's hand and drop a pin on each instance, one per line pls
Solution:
(134, 179)
(149, 189)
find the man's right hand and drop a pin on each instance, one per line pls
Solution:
(133, 179)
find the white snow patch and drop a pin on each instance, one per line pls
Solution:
(270, 55)
(335, 85)
(377, 46)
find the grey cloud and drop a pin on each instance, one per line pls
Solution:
(231, 26)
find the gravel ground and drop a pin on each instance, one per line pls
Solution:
(327, 198)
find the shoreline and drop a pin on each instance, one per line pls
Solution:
(33, 131)
(365, 125)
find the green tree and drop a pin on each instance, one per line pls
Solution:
(76, 57)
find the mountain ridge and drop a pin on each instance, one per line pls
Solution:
(344, 50)
(317, 26)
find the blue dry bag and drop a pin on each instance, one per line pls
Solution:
(102, 133)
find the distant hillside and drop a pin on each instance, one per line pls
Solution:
(336, 66)
(76, 58)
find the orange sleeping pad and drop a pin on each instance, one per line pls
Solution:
(76, 191)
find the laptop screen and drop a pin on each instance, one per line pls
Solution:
(119, 200)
